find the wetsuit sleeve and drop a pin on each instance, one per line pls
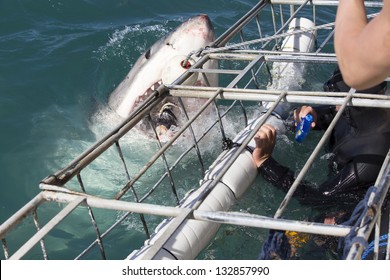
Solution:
(349, 185)
(282, 177)
(278, 175)
(325, 115)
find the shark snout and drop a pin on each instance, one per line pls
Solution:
(207, 22)
(204, 17)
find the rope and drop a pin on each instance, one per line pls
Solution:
(229, 144)
(354, 221)
(370, 247)
(197, 53)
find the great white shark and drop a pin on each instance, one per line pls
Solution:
(161, 61)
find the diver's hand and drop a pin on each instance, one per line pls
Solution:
(265, 142)
(302, 112)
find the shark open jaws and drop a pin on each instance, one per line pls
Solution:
(159, 61)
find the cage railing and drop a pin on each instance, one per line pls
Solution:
(256, 54)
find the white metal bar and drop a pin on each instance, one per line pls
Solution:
(64, 175)
(383, 186)
(112, 204)
(15, 219)
(312, 157)
(377, 235)
(388, 240)
(323, 3)
(167, 145)
(268, 54)
(60, 194)
(314, 97)
(47, 228)
(243, 219)
(245, 71)
(277, 35)
(251, 220)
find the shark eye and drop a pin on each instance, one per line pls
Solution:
(147, 54)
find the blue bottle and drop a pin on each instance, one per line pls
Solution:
(303, 128)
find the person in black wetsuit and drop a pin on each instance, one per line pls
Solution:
(359, 144)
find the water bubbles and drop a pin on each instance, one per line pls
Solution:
(130, 40)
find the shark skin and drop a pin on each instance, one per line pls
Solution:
(160, 60)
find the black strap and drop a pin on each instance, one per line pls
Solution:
(235, 145)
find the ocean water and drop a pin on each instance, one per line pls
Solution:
(59, 60)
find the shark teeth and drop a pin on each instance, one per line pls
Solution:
(147, 93)
(153, 87)
(156, 85)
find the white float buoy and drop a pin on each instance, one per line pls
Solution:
(300, 42)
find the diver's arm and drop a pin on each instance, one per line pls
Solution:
(349, 185)
(277, 174)
(362, 47)
(282, 177)
(325, 115)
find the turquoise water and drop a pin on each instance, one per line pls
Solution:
(59, 60)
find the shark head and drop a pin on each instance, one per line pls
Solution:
(163, 58)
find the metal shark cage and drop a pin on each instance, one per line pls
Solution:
(244, 54)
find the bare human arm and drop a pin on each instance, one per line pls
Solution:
(362, 47)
